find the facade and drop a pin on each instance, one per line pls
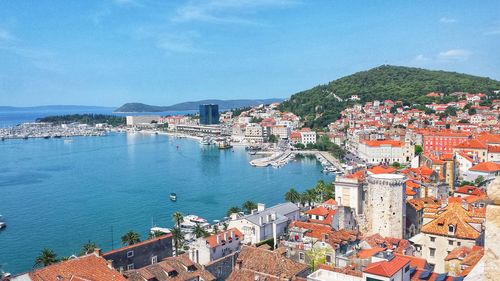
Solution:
(254, 133)
(446, 228)
(381, 151)
(388, 268)
(442, 141)
(282, 131)
(142, 254)
(142, 120)
(385, 210)
(208, 249)
(199, 129)
(264, 224)
(209, 114)
(349, 193)
(307, 137)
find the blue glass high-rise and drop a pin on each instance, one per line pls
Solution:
(209, 114)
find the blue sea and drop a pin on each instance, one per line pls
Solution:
(59, 195)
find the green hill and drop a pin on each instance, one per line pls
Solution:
(319, 106)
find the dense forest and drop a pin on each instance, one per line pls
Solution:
(322, 104)
(90, 119)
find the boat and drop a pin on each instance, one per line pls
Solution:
(155, 229)
(173, 197)
(2, 222)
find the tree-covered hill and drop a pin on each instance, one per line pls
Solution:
(321, 105)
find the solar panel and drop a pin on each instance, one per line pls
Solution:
(425, 274)
(412, 270)
(458, 278)
(441, 277)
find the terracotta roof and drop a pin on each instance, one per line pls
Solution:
(456, 215)
(387, 268)
(348, 270)
(366, 253)
(486, 167)
(470, 190)
(375, 143)
(360, 175)
(382, 170)
(212, 239)
(395, 244)
(318, 211)
(179, 268)
(419, 263)
(330, 202)
(472, 144)
(494, 148)
(88, 267)
(425, 202)
(255, 262)
(430, 276)
(315, 230)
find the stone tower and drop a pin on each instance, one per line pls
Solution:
(385, 211)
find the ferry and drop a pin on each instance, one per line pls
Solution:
(2, 223)
(173, 197)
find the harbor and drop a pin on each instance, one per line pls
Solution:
(49, 130)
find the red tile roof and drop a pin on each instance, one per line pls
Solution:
(88, 267)
(472, 144)
(470, 190)
(375, 143)
(419, 263)
(387, 268)
(486, 167)
(382, 170)
(212, 239)
(367, 253)
(318, 211)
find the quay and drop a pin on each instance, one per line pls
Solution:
(276, 159)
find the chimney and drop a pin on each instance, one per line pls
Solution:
(261, 220)
(225, 236)
(261, 207)
(232, 234)
(273, 216)
(97, 252)
(109, 263)
(218, 239)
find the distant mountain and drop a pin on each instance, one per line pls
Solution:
(192, 105)
(53, 108)
(322, 104)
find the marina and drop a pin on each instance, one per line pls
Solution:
(48, 130)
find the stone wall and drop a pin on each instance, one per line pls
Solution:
(492, 233)
(222, 267)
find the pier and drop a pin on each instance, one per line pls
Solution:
(276, 159)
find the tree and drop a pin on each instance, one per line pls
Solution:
(155, 234)
(320, 189)
(178, 217)
(131, 238)
(299, 146)
(232, 210)
(46, 257)
(199, 231)
(316, 257)
(88, 248)
(178, 239)
(472, 111)
(450, 111)
(215, 229)
(273, 138)
(249, 206)
(418, 149)
(479, 180)
(292, 195)
(308, 196)
(396, 165)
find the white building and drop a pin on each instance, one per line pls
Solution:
(282, 131)
(208, 249)
(381, 151)
(254, 133)
(264, 224)
(307, 136)
(142, 120)
(349, 193)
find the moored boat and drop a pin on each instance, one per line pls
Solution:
(2, 222)
(173, 196)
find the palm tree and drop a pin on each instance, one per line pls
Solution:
(178, 238)
(177, 217)
(309, 196)
(292, 195)
(46, 257)
(249, 206)
(225, 226)
(216, 229)
(320, 189)
(131, 238)
(88, 248)
(155, 234)
(232, 210)
(199, 231)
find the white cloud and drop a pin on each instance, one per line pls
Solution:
(178, 43)
(225, 11)
(447, 20)
(455, 54)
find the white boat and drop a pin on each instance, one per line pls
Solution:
(160, 229)
(173, 197)
(2, 223)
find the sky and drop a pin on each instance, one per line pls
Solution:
(109, 52)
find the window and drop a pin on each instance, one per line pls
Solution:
(154, 260)
(130, 254)
(328, 259)
(451, 228)
(450, 242)
(459, 243)
(407, 268)
(432, 252)
(301, 256)
(130, 266)
(433, 239)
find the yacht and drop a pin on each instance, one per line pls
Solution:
(2, 223)
(173, 197)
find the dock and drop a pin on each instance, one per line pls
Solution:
(276, 159)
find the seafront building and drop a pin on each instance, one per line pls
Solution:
(209, 114)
